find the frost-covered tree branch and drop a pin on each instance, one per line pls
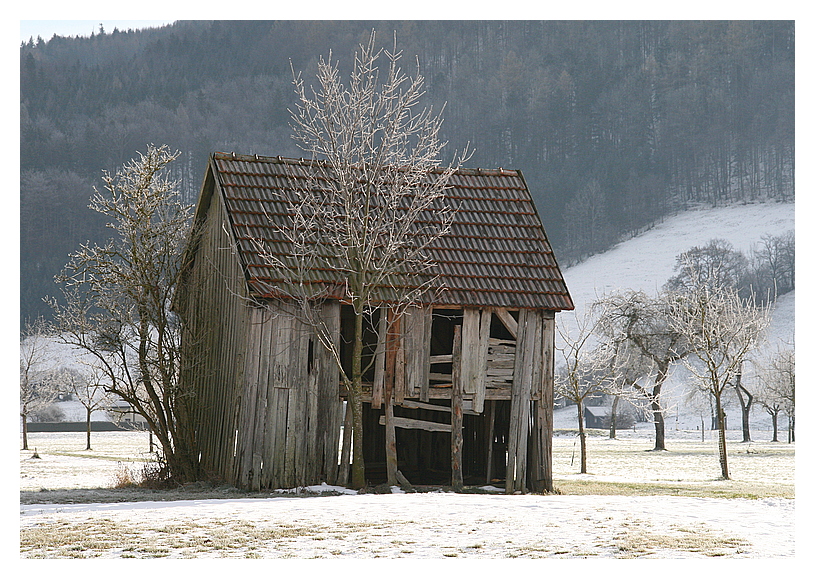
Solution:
(641, 324)
(117, 297)
(720, 329)
(38, 376)
(590, 368)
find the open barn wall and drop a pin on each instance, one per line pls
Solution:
(507, 393)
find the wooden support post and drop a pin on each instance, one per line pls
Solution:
(379, 361)
(457, 414)
(391, 348)
(490, 437)
(345, 460)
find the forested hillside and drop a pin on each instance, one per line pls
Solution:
(613, 124)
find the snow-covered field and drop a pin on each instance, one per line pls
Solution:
(632, 504)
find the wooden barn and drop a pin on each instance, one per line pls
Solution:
(269, 408)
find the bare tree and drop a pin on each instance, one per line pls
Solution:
(771, 384)
(715, 264)
(746, 399)
(90, 390)
(590, 369)
(720, 329)
(38, 384)
(369, 208)
(117, 299)
(642, 323)
(776, 393)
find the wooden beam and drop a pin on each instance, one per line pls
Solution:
(466, 406)
(509, 322)
(412, 423)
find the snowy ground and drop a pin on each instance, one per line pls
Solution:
(633, 503)
(639, 504)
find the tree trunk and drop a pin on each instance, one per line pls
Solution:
(355, 399)
(659, 427)
(25, 431)
(774, 416)
(656, 408)
(582, 435)
(722, 438)
(745, 408)
(612, 426)
(88, 428)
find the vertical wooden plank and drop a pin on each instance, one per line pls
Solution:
(280, 382)
(470, 339)
(456, 438)
(391, 341)
(261, 444)
(279, 426)
(313, 456)
(292, 432)
(398, 360)
(305, 437)
(543, 481)
(380, 357)
(416, 350)
(481, 361)
(424, 382)
(248, 407)
(345, 458)
(520, 406)
(490, 439)
(329, 413)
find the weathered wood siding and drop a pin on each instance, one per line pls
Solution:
(214, 344)
(290, 412)
(267, 406)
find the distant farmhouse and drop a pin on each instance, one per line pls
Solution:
(270, 407)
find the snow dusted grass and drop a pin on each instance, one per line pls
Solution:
(65, 464)
(628, 465)
(634, 503)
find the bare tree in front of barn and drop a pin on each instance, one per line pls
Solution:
(38, 382)
(721, 329)
(117, 299)
(363, 219)
(642, 323)
(591, 368)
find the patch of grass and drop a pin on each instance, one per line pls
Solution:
(719, 490)
(644, 544)
(95, 537)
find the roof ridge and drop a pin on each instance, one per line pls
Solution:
(281, 160)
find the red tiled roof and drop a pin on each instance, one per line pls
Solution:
(496, 253)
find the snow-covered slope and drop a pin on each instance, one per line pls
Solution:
(647, 261)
